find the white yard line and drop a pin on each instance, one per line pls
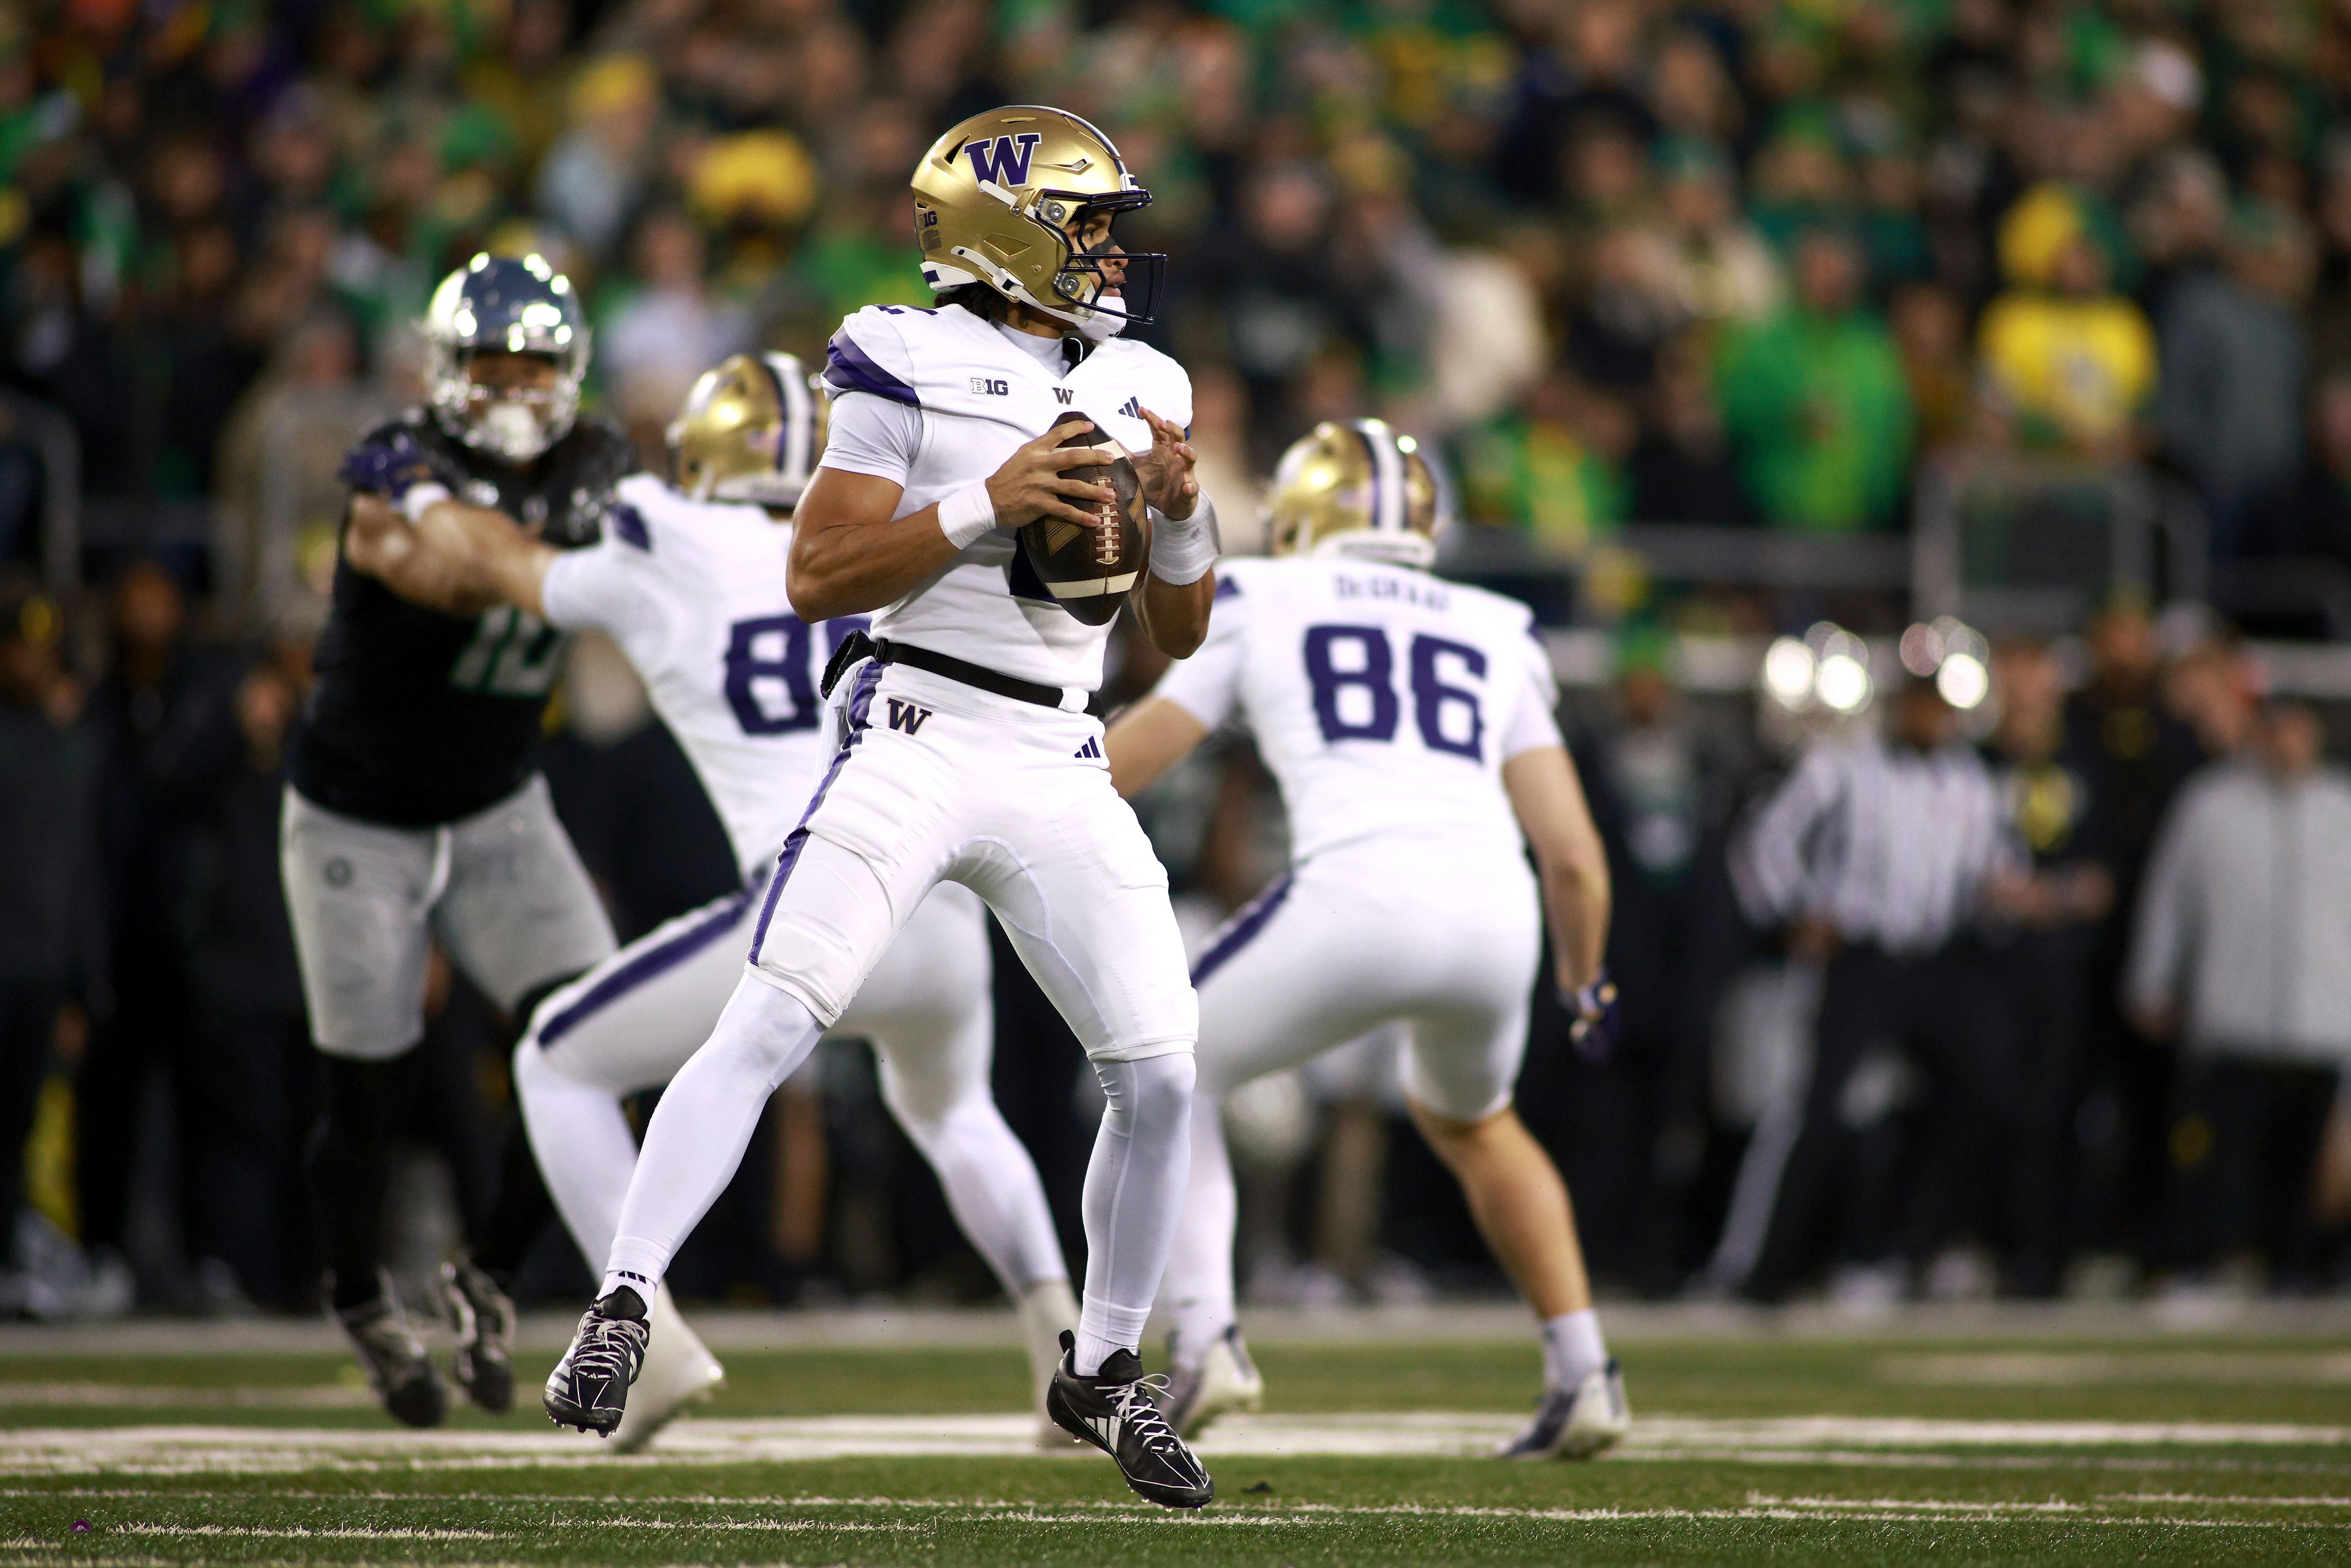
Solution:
(187, 1449)
(126, 1396)
(2041, 1369)
(893, 1325)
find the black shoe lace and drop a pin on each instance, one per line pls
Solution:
(608, 1348)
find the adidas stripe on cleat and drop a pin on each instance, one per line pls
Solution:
(1116, 1411)
(1577, 1423)
(589, 1386)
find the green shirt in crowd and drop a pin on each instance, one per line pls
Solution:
(1819, 417)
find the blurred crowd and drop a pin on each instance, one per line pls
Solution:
(1728, 262)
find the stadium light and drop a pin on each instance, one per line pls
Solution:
(1788, 670)
(1963, 681)
(1843, 681)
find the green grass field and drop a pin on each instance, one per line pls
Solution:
(1752, 1448)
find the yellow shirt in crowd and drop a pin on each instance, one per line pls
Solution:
(2079, 369)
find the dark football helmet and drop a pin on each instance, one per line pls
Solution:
(501, 304)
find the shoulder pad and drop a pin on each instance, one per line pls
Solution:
(637, 501)
(602, 453)
(1168, 386)
(629, 526)
(868, 354)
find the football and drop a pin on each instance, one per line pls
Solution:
(1087, 569)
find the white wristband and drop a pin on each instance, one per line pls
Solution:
(967, 514)
(416, 497)
(1183, 549)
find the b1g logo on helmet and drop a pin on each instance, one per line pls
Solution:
(1004, 160)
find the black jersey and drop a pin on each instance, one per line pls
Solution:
(418, 717)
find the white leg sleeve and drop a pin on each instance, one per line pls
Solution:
(937, 1085)
(702, 1125)
(1134, 1186)
(628, 1024)
(581, 1137)
(1199, 1285)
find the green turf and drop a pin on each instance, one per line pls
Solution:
(2200, 1502)
(1743, 1377)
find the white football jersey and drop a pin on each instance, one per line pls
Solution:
(978, 397)
(694, 593)
(1383, 700)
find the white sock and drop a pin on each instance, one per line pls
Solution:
(1134, 1189)
(1572, 1348)
(1198, 1290)
(702, 1126)
(1047, 1308)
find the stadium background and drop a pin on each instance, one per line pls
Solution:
(1736, 321)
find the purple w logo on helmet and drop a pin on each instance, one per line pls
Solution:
(1004, 160)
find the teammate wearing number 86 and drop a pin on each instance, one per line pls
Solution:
(415, 807)
(1409, 722)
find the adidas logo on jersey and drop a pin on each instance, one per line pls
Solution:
(1133, 408)
(1091, 748)
(907, 717)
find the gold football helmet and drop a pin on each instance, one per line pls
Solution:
(751, 429)
(992, 198)
(1355, 488)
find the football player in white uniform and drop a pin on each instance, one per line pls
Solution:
(690, 580)
(965, 753)
(1409, 722)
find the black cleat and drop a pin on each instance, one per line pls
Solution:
(589, 1386)
(1114, 1410)
(483, 1319)
(394, 1357)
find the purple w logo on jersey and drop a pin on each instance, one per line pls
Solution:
(1004, 161)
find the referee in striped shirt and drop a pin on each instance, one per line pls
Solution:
(1880, 858)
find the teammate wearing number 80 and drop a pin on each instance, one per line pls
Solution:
(1409, 722)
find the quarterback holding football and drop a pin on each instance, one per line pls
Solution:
(965, 753)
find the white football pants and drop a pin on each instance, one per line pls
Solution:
(935, 781)
(632, 1022)
(1438, 935)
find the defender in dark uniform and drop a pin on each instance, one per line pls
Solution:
(414, 806)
